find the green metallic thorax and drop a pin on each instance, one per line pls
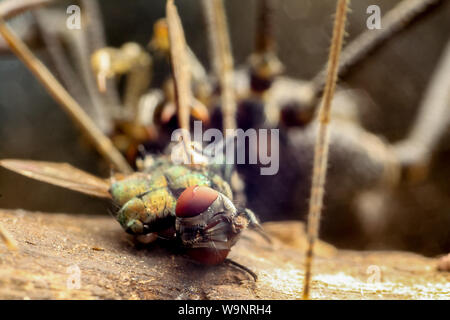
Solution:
(148, 199)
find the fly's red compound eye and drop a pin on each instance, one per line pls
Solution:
(195, 200)
(192, 202)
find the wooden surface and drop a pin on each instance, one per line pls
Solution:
(53, 247)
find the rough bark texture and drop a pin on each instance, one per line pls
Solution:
(112, 266)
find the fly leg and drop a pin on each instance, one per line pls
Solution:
(242, 268)
(255, 225)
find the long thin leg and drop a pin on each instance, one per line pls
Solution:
(211, 26)
(27, 32)
(181, 73)
(12, 8)
(222, 59)
(103, 144)
(265, 39)
(52, 37)
(322, 141)
(433, 117)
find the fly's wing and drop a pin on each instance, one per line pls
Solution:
(60, 174)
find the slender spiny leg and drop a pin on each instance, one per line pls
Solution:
(221, 59)
(211, 25)
(322, 141)
(224, 66)
(264, 34)
(265, 66)
(180, 67)
(160, 47)
(181, 75)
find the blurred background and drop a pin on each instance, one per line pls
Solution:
(394, 78)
